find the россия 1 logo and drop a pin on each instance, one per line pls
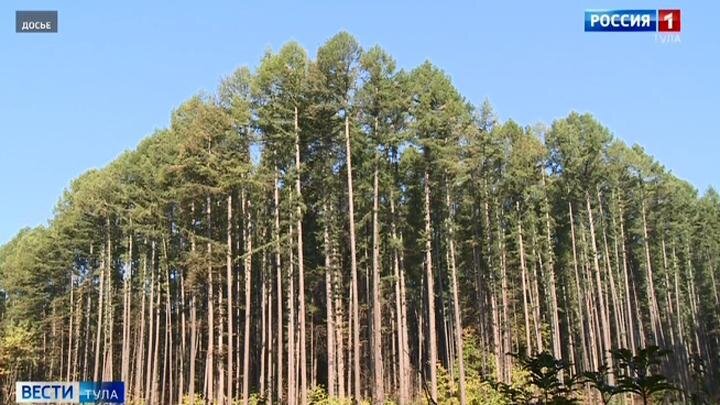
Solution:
(632, 20)
(669, 20)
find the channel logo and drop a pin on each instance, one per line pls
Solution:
(84, 392)
(665, 20)
(669, 20)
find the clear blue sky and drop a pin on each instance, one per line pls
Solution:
(74, 100)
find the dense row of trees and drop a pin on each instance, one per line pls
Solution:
(337, 227)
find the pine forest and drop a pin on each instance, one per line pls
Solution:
(337, 230)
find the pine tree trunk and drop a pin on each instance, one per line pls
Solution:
(623, 331)
(263, 321)
(594, 330)
(278, 298)
(140, 357)
(456, 304)
(154, 379)
(505, 297)
(167, 380)
(126, 316)
(87, 337)
(210, 358)
(608, 269)
(292, 381)
(340, 339)
(550, 263)
(301, 267)
(668, 294)
(401, 309)
(535, 296)
(432, 337)
(193, 317)
(654, 311)
(268, 276)
(53, 341)
(100, 310)
(183, 337)
(238, 342)
(151, 328)
(353, 266)
(492, 287)
(523, 275)
(329, 312)
(578, 291)
(377, 358)
(110, 335)
(679, 316)
(70, 327)
(248, 284)
(626, 277)
(229, 276)
(693, 298)
(604, 319)
(76, 334)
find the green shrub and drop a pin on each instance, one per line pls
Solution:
(319, 396)
(478, 390)
(194, 400)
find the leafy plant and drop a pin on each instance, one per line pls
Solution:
(598, 380)
(544, 373)
(641, 378)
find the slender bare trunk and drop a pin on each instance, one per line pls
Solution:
(550, 263)
(193, 318)
(604, 319)
(229, 276)
(353, 266)
(578, 290)
(495, 314)
(301, 269)
(279, 300)
(292, 381)
(263, 321)
(248, 285)
(87, 337)
(167, 380)
(151, 329)
(125, 367)
(183, 337)
(100, 309)
(154, 379)
(523, 274)
(432, 337)
(110, 316)
(608, 269)
(210, 358)
(70, 327)
(340, 339)
(535, 296)
(457, 318)
(377, 358)
(506, 332)
(401, 309)
(626, 277)
(329, 312)
(654, 311)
